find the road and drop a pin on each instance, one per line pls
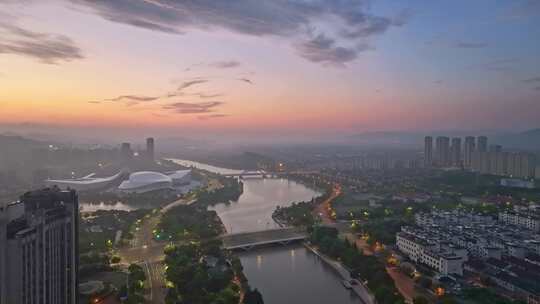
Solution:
(360, 243)
(324, 209)
(404, 284)
(179, 202)
(148, 253)
(155, 272)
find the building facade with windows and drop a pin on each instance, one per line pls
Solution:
(39, 248)
(429, 254)
(527, 220)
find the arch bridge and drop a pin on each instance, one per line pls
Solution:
(249, 240)
(248, 173)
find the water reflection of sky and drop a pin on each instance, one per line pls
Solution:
(214, 169)
(291, 274)
(87, 207)
(283, 274)
(253, 210)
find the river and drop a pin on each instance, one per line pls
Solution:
(289, 274)
(89, 207)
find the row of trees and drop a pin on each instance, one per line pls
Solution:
(200, 271)
(134, 289)
(189, 223)
(366, 268)
(231, 191)
(298, 214)
(193, 280)
(109, 221)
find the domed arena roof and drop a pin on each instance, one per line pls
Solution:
(179, 174)
(144, 179)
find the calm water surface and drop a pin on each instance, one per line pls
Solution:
(253, 210)
(87, 207)
(292, 274)
(284, 275)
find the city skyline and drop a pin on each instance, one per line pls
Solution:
(269, 151)
(357, 66)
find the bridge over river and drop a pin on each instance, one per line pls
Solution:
(247, 173)
(153, 250)
(248, 240)
(256, 173)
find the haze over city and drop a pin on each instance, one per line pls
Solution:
(269, 151)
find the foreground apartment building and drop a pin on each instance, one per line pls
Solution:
(506, 249)
(38, 248)
(430, 254)
(525, 219)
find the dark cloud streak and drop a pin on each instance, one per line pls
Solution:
(47, 48)
(134, 98)
(190, 83)
(246, 80)
(211, 116)
(324, 50)
(204, 95)
(290, 19)
(372, 26)
(128, 100)
(225, 64)
(193, 107)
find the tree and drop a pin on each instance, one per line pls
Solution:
(447, 300)
(253, 297)
(385, 295)
(420, 300)
(226, 296)
(115, 259)
(136, 273)
(425, 282)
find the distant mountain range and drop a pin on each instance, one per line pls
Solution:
(12, 141)
(527, 140)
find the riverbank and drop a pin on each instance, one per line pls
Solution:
(305, 213)
(360, 290)
(309, 279)
(194, 230)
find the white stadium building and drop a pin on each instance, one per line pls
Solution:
(138, 182)
(181, 177)
(145, 181)
(87, 183)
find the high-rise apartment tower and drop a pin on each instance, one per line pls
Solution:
(39, 248)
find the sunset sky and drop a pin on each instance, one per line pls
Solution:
(285, 66)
